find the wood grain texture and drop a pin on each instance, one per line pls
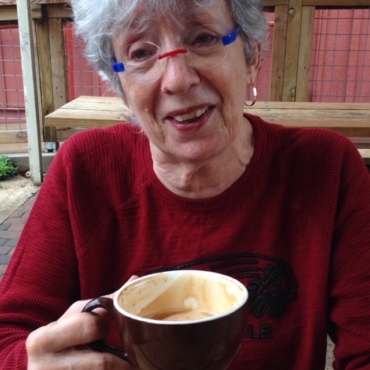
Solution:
(292, 50)
(13, 136)
(56, 42)
(305, 52)
(351, 119)
(267, 3)
(9, 13)
(44, 61)
(351, 3)
(278, 52)
(59, 11)
(33, 2)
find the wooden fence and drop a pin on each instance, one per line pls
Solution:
(291, 51)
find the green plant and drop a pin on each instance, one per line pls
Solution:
(6, 167)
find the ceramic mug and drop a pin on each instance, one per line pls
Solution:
(188, 320)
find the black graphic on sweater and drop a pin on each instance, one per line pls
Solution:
(270, 281)
(272, 290)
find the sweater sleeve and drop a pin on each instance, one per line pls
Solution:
(45, 254)
(349, 280)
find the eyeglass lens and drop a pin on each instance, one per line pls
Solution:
(202, 47)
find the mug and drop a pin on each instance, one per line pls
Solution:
(178, 320)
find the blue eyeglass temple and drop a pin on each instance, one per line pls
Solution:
(226, 40)
(117, 66)
(231, 37)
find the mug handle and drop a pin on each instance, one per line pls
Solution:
(100, 345)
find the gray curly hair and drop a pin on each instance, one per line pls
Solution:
(96, 22)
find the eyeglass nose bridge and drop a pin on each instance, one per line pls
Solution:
(186, 60)
(172, 53)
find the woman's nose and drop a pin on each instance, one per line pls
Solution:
(178, 76)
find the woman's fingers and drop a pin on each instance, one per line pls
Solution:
(78, 359)
(63, 343)
(74, 330)
(60, 345)
(74, 309)
(96, 360)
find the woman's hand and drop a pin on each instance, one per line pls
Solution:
(63, 344)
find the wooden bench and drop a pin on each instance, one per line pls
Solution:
(351, 119)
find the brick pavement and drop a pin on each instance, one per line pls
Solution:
(10, 231)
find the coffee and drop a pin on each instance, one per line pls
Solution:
(188, 315)
(186, 297)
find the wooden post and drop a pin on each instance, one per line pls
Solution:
(58, 74)
(30, 90)
(278, 53)
(305, 52)
(292, 49)
(44, 59)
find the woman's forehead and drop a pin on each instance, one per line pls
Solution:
(181, 17)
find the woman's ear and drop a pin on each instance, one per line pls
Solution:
(254, 67)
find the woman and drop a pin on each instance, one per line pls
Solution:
(193, 183)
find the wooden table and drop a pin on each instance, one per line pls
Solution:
(351, 119)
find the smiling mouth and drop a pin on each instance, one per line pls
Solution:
(191, 116)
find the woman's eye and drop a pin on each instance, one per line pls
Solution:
(205, 39)
(142, 52)
(139, 54)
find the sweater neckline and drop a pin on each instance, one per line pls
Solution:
(226, 196)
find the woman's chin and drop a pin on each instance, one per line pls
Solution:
(197, 153)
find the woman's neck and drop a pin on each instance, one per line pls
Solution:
(211, 177)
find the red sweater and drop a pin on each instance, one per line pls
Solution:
(294, 228)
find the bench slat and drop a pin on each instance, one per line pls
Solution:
(351, 119)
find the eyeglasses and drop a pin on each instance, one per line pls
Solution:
(143, 62)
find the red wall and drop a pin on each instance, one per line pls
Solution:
(82, 80)
(340, 66)
(11, 83)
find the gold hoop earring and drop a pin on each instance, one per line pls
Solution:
(254, 97)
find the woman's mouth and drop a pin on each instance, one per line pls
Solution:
(191, 116)
(191, 119)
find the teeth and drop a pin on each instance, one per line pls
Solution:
(195, 114)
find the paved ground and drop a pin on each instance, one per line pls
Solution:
(17, 196)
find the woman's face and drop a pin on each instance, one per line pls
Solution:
(190, 113)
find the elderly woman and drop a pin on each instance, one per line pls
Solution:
(192, 183)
